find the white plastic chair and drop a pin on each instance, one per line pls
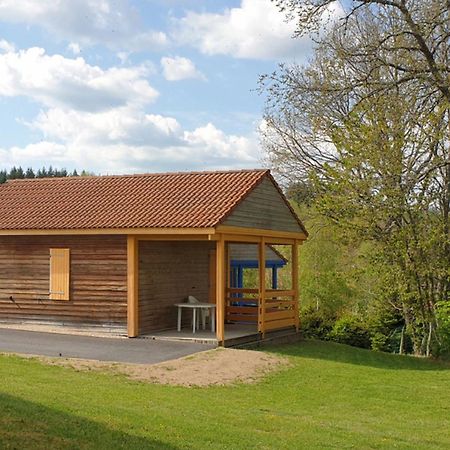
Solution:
(204, 312)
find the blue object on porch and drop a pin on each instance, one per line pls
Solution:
(244, 256)
(238, 266)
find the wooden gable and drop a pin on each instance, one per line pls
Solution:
(264, 208)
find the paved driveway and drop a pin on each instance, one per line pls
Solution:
(143, 351)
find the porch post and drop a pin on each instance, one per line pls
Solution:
(220, 290)
(132, 286)
(295, 283)
(240, 278)
(274, 277)
(262, 286)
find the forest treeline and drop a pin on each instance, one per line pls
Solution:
(18, 173)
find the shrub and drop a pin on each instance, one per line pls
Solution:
(316, 323)
(390, 341)
(379, 342)
(350, 331)
(386, 326)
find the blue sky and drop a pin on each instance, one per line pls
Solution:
(121, 86)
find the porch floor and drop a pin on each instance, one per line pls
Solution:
(232, 331)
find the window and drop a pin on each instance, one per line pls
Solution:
(59, 273)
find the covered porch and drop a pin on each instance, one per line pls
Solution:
(235, 269)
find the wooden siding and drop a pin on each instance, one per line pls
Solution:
(264, 208)
(168, 273)
(98, 280)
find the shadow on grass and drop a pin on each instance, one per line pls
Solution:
(332, 351)
(24, 424)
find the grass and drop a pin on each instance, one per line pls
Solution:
(333, 396)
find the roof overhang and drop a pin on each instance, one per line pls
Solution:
(111, 231)
(229, 232)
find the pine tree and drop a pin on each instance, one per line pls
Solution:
(30, 173)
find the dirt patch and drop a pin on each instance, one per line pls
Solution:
(213, 367)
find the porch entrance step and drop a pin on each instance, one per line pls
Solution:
(236, 335)
(173, 337)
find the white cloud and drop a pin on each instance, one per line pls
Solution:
(114, 23)
(56, 81)
(179, 68)
(125, 126)
(74, 48)
(255, 30)
(123, 57)
(6, 46)
(129, 140)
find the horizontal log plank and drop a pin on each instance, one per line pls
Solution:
(241, 318)
(242, 310)
(278, 315)
(279, 324)
(241, 291)
(278, 303)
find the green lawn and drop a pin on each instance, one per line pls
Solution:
(332, 396)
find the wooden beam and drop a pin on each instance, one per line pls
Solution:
(220, 290)
(295, 283)
(96, 231)
(279, 241)
(262, 286)
(241, 238)
(176, 237)
(260, 232)
(255, 239)
(132, 286)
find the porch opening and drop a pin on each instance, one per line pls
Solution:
(256, 299)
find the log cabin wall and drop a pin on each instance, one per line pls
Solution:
(169, 272)
(98, 280)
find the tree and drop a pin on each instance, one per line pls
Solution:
(367, 122)
(19, 173)
(30, 173)
(413, 40)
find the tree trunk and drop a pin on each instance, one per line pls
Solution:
(400, 350)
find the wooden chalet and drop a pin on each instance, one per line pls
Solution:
(119, 251)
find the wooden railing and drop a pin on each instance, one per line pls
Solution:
(278, 309)
(241, 305)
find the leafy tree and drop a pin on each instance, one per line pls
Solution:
(367, 124)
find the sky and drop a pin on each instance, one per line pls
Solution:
(122, 86)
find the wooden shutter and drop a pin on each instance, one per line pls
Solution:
(59, 273)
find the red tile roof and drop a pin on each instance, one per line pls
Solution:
(188, 200)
